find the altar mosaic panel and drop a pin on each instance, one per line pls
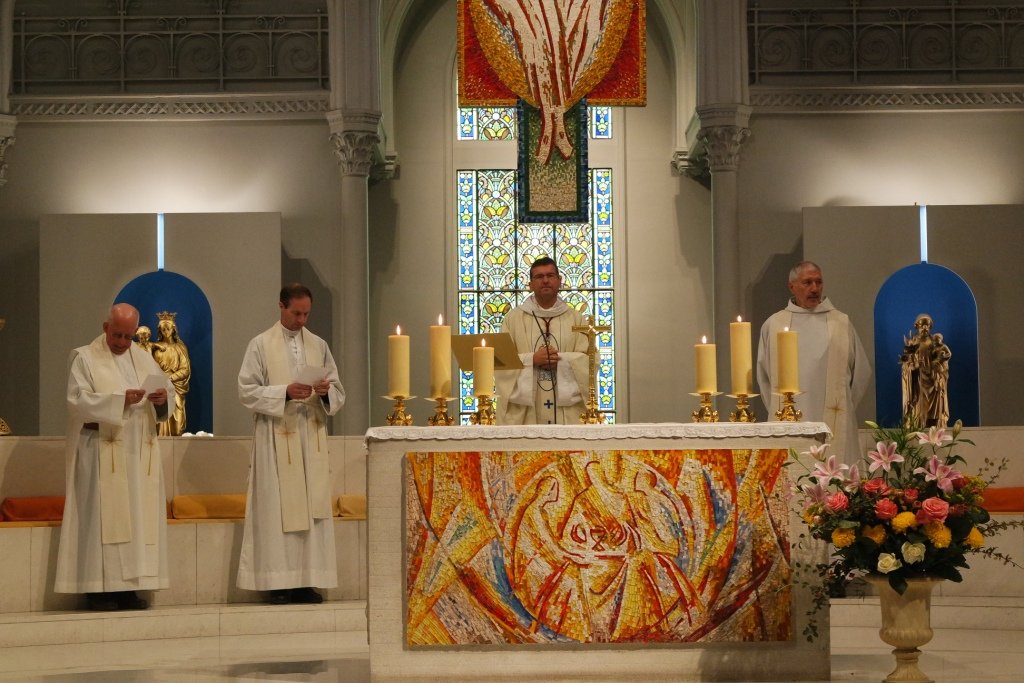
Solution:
(564, 547)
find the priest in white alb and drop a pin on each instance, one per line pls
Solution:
(290, 381)
(113, 539)
(551, 387)
(834, 370)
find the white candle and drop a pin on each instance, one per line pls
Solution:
(398, 363)
(707, 382)
(440, 360)
(789, 368)
(740, 356)
(483, 370)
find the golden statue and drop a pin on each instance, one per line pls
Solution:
(171, 355)
(924, 366)
(142, 338)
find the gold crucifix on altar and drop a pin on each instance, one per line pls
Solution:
(592, 416)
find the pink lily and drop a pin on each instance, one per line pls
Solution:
(883, 456)
(825, 472)
(942, 475)
(852, 481)
(817, 452)
(815, 493)
(936, 436)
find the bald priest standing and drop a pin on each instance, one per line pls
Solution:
(555, 375)
(834, 370)
(113, 540)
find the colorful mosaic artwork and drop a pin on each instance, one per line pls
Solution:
(563, 547)
(495, 253)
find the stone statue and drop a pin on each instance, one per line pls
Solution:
(925, 375)
(171, 355)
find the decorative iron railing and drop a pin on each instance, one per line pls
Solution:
(120, 51)
(823, 43)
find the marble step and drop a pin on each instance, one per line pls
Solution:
(972, 613)
(196, 621)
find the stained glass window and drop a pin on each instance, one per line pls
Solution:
(494, 256)
(499, 123)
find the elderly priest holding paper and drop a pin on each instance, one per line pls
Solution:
(290, 381)
(551, 387)
(113, 539)
(834, 371)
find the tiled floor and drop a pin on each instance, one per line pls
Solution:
(954, 655)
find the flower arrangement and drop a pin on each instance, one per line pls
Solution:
(910, 513)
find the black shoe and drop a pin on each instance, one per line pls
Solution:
(306, 596)
(101, 602)
(130, 600)
(278, 597)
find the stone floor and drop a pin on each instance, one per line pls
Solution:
(988, 649)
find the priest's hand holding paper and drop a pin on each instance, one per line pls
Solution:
(158, 397)
(133, 396)
(309, 379)
(154, 388)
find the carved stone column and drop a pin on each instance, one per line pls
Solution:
(7, 126)
(722, 137)
(354, 140)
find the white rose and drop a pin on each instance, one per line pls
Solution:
(888, 562)
(912, 552)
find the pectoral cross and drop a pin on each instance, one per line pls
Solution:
(112, 440)
(287, 434)
(592, 415)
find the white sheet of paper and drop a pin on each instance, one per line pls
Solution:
(153, 383)
(310, 374)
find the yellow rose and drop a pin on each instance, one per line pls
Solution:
(975, 539)
(875, 533)
(843, 537)
(939, 534)
(903, 521)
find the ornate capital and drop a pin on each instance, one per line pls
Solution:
(354, 138)
(7, 125)
(723, 146)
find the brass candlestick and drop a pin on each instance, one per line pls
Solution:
(484, 414)
(788, 412)
(591, 415)
(743, 413)
(706, 412)
(441, 418)
(398, 417)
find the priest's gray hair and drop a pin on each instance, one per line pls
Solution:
(799, 268)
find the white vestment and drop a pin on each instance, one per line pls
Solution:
(535, 396)
(288, 540)
(114, 533)
(834, 371)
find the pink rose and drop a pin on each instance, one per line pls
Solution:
(837, 502)
(933, 510)
(959, 481)
(910, 495)
(885, 509)
(876, 487)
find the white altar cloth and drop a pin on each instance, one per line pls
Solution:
(391, 660)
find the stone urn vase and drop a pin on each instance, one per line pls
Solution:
(906, 624)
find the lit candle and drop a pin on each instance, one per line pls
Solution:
(789, 369)
(440, 360)
(739, 351)
(483, 370)
(398, 363)
(707, 382)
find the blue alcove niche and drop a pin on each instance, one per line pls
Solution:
(165, 291)
(941, 293)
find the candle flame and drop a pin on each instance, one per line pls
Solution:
(483, 342)
(440, 320)
(398, 329)
(704, 339)
(739, 318)
(785, 329)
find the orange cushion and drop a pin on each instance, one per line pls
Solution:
(33, 509)
(1004, 499)
(220, 506)
(350, 506)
